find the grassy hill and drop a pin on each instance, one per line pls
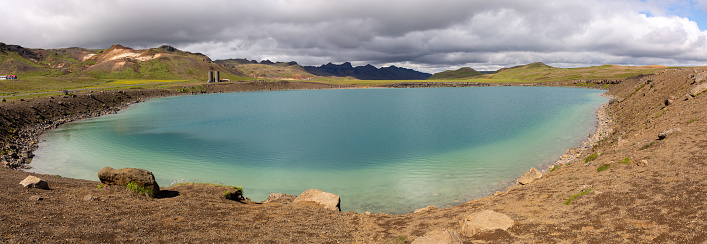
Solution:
(461, 73)
(540, 72)
(268, 70)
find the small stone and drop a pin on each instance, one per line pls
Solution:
(36, 198)
(367, 213)
(668, 102)
(280, 198)
(34, 182)
(664, 134)
(426, 209)
(529, 176)
(587, 228)
(484, 221)
(642, 162)
(439, 237)
(89, 198)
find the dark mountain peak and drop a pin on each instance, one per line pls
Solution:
(24, 52)
(168, 48)
(367, 72)
(267, 61)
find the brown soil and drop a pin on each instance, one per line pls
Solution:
(657, 197)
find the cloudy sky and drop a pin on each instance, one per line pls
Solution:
(428, 35)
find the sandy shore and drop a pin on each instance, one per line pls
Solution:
(653, 196)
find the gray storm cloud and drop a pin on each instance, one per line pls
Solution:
(427, 35)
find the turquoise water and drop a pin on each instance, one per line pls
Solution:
(381, 150)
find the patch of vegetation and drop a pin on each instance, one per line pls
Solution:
(649, 145)
(591, 157)
(584, 192)
(401, 239)
(554, 168)
(637, 89)
(625, 160)
(235, 194)
(137, 188)
(691, 121)
(603, 167)
(100, 186)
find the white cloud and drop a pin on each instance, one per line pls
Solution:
(417, 33)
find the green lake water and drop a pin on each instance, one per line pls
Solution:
(381, 150)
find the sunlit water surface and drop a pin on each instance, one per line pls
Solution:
(381, 150)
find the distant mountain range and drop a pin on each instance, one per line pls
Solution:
(167, 62)
(367, 72)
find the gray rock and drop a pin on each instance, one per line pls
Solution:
(36, 198)
(698, 89)
(483, 221)
(439, 237)
(280, 198)
(529, 176)
(425, 209)
(34, 182)
(699, 77)
(325, 199)
(664, 134)
(122, 177)
(89, 198)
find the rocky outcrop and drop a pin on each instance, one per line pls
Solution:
(698, 89)
(124, 176)
(325, 199)
(280, 198)
(439, 237)
(34, 182)
(483, 221)
(529, 176)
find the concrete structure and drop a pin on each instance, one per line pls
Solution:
(214, 76)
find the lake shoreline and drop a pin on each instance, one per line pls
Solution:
(638, 188)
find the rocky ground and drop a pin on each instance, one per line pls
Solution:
(646, 184)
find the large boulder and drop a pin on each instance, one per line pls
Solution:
(280, 198)
(483, 221)
(325, 199)
(34, 182)
(529, 176)
(439, 237)
(124, 176)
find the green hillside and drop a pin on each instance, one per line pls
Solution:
(539, 72)
(461, 73)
